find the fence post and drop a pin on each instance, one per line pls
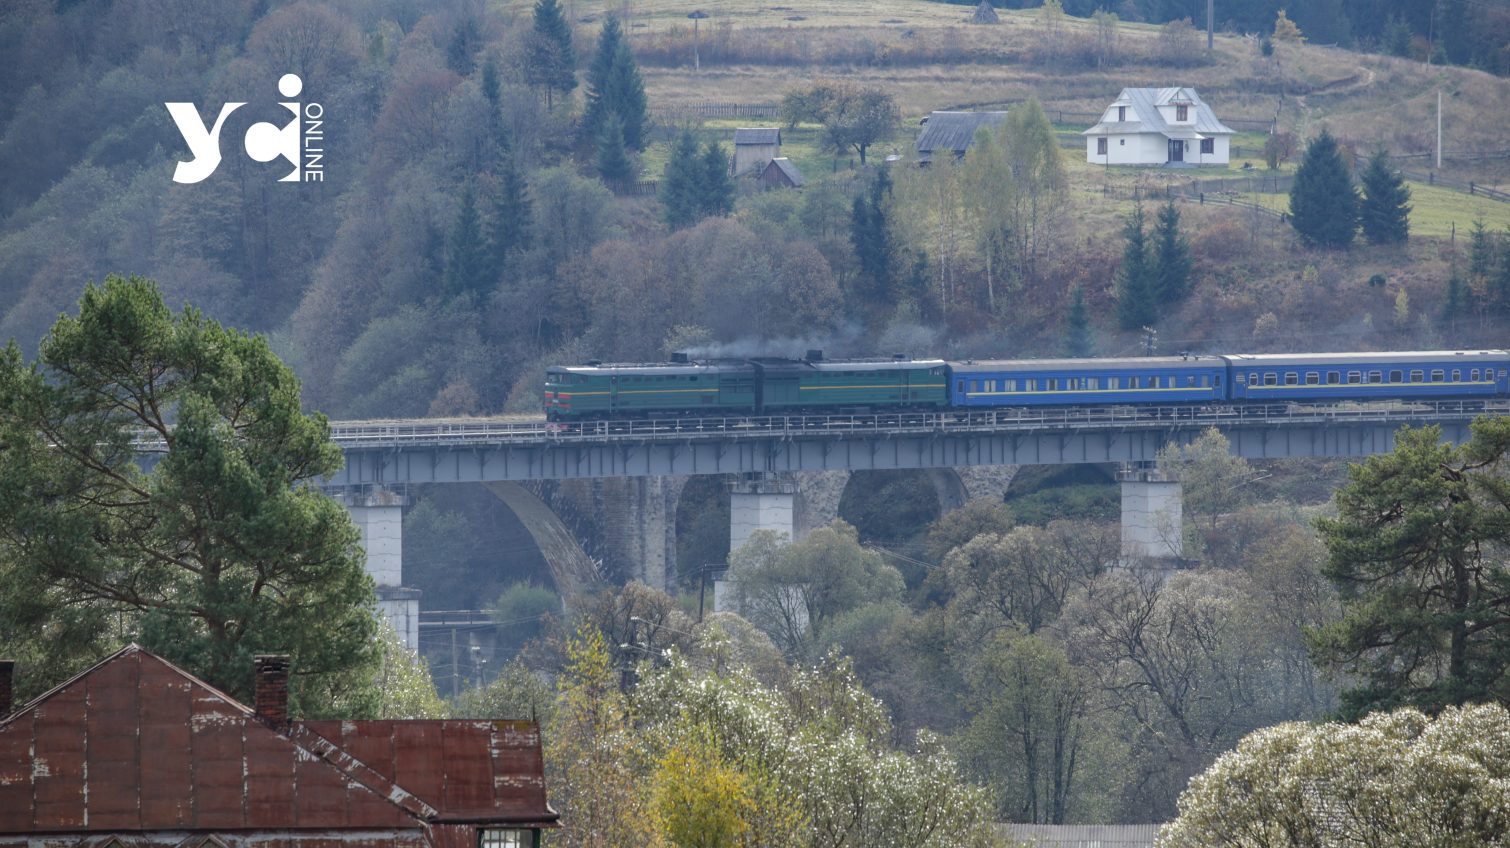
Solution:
(1470, 186)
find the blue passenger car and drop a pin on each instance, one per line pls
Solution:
(1346, 376)
(1065, 382)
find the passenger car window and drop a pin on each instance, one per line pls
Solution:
(1397, 376)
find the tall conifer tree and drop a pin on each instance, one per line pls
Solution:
(466, 253)
(1323, 200)
(612, 162)
(716, 186)
(868, 235)
(679, 183)
(614, 86)
(1137, 302)
(1172, 264)
(1385, 211)
(513, 215)
(550, 60)
(1077, 328)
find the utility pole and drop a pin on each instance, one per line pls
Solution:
(455, 668)
(1210, 22)
(702, 591)
(1439, 129)
(697, 62)
(1149, 334)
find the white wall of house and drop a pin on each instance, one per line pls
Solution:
(1151, 149)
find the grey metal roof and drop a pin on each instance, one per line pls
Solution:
(846, 364)
(757, 135)
(1144, 104)
(1130, 363)
(1375, 358)
(786, 167)
(955, 130)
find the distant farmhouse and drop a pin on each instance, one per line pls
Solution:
(952, 132)
(754, 147)
(1158, 126)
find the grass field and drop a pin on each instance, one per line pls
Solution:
(1435, 212)
(930, 58)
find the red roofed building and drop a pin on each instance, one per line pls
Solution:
(136, 752)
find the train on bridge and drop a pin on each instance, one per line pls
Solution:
(815, 385)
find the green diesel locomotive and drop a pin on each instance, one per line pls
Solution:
(759, 386)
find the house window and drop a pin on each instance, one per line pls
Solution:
(1182, 112)
(1122, 142)
(1101, 146)
(1121, 114)
(1208, 145)
(511, 838)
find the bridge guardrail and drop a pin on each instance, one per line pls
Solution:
(357, 435)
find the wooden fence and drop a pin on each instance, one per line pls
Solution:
(683, 111)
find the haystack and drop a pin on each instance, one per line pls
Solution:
(985, 13)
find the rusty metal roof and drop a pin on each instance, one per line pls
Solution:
(137, 744)
(469, 771)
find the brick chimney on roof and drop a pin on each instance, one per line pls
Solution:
(7, 688)
(271, 672)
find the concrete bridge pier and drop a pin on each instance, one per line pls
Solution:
(1152, 514)
(760, 503)
(378, 514)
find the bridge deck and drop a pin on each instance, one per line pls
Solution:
(464, 450)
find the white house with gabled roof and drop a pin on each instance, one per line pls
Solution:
(1158, 126)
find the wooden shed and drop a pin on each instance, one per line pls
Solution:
(781, 173)
(755, 146)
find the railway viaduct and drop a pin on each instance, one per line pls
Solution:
(627, 477)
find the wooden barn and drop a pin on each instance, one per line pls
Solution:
(755, 146)
(781, 173)
(952, 132)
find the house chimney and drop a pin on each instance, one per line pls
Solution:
(271, 673)
(7, 668)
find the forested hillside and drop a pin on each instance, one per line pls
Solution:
(462, 235)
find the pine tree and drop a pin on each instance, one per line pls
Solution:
(1500, 290)
(679, 183)
(614, 86)
(1137, 302)
(550, 60)
(1172, 263)
(612, 162)
(512, 215)
(1077, 328)
(628, 89)
(599, 100)
(868, 235)
(1323, 201)
(1454, 299)
(1480, 251)
(715, 186)
(1385, 210)
(467, 267)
